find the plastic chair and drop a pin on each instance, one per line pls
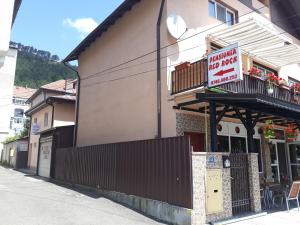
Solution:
(294, 194)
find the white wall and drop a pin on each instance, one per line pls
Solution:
(16, 128)
(7, 76)
(6, 14)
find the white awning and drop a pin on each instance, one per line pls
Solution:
(260, 41)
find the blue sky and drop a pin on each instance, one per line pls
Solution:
(58, 26)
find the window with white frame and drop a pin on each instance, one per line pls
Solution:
(292, 81)
(19, 113)
(264, 70)
(221, 12)
(19, 101)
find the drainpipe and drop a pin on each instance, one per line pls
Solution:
(158, 26)
(77, 104)
(29, 137)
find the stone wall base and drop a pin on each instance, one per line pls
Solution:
(155, 209)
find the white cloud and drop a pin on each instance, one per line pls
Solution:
(83, 25)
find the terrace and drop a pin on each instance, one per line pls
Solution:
(194, 76)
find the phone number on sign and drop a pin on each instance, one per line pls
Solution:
(224, 79)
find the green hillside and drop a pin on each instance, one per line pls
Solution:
(34, 71)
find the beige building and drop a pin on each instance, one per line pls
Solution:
(15, 153)
(52, 105)
(137, 82)
(119, 102)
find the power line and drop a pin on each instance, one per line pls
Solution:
(104, 72)
(193, 35)
(27, 92)
(220, 24)
(152, 70)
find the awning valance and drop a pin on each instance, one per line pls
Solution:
(269, 108)
(260, 41)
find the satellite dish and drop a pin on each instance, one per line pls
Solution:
(176, 26)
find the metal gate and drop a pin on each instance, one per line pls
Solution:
(240, 184)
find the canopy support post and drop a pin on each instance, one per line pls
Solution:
(250, 131)
(213, 126)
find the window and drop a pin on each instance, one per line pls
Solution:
(18, 120)
(294, 151)
(18, 101)
(238, 145)
(46, 119)
(35, 120)
(223, 143)
(230, 18)
(221, 12)
(265, 70)
(292, 81)
(19, 112)
(212, 9)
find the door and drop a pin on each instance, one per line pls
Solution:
(197, 141)
(294, 161)
(45, 159)
(240, 191)
(278, 160)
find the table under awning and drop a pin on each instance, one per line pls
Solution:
(260, 40)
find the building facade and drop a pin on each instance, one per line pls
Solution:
(135, 85)
(8, 57)
(19, 107)
(53, 105)
(137, 82)
(15, 153)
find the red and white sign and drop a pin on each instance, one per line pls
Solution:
(224, 66)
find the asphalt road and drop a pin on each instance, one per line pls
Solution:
(27, 200)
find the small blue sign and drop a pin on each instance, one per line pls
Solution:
(211, 159)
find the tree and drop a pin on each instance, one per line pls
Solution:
(25, 131)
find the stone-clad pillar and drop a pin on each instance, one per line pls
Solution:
(199, 170)
(254, 182)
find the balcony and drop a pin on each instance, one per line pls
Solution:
(195, 76)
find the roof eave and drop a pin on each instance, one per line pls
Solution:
(17, 5)
(103, 27)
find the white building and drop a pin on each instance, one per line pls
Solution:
(19, 107)
(8, 58)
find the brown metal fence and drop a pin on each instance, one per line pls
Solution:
(158, 169)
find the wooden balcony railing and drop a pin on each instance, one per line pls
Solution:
(190, 77)
(195, 76)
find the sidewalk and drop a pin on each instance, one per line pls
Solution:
(275, 218)
(27, 171)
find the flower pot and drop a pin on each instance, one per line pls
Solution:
(183, 66)
(270, 91)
